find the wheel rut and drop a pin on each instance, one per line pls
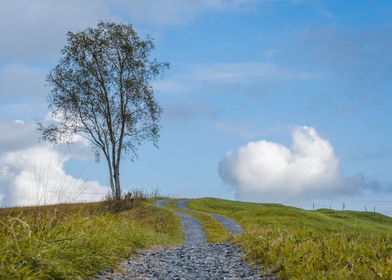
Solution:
(194, 233)
(196, 259)
(230, 225)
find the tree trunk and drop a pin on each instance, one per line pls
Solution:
(118, 187)
(111, 177)
(116, 178)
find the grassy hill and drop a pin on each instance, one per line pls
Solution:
(72, 241)
(301, 244)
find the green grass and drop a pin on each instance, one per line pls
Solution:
(214, 230)
(74, 241)
(77, 240)
(299, 244)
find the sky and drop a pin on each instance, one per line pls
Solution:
(285, 101)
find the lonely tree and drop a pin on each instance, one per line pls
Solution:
(101, 90)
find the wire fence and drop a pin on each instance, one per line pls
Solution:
(368, 205)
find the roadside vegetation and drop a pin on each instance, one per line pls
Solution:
(73, 241)
(300, 244)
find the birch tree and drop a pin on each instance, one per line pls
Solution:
(101, 89)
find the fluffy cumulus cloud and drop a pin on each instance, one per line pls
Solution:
(267, 171)
(33, 173)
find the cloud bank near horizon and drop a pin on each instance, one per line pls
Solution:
(32, 173)
(267, 171)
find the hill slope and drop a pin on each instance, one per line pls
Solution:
(301, 244)
(76, 240)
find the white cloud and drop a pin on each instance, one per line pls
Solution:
(268, 171)
(33, 173)
(19, 122)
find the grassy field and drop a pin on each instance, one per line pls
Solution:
(301, 244)
(76, 240)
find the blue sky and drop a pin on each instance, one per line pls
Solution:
(241, 72)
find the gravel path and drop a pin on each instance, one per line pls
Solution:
(209, 261)
(183, 204)
(161, 202)
(230, 225)
(194, 233)
(197, 259)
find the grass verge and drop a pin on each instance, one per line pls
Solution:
(300, 244)
(77, 240)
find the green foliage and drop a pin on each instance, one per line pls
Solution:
(74, 241)
(300, 244)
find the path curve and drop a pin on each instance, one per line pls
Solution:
(161, 202)
(230, 225)
(194, 232)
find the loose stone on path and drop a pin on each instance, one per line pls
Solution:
(230, 225)
(194, 233)
(209, 261)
